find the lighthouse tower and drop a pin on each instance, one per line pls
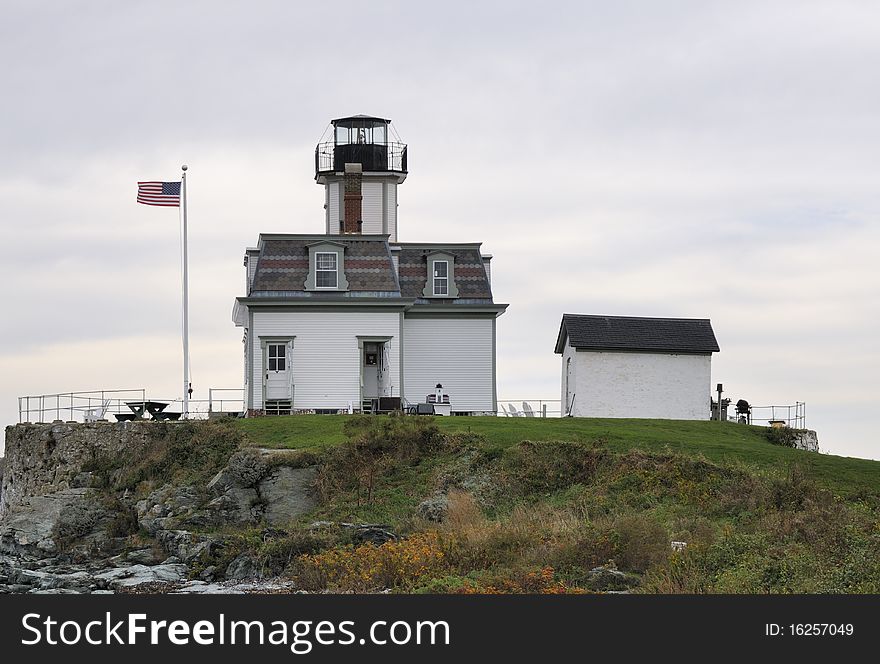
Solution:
(360, 170)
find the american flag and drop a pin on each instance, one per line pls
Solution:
(166, 194)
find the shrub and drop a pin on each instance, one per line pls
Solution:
(642, 542)
(191, 452)
(784, 436)
(276, 554)
(247, 467)
(519, 582)
(376, 446)
(395, 564)
(589, 546)
(795, 489)
(542, 467)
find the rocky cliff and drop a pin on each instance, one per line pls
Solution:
(106, 506)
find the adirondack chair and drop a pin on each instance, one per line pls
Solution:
(513, 411)
(503, 410)
(527, 409)
(97, 413)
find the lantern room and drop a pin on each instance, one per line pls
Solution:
(364, 140)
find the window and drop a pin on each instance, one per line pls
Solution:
(325, 270)
(277, 357)
(441, 277)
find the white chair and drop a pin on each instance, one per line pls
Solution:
(503, 410)
(527, 409)
(96, 414)
(513, 411)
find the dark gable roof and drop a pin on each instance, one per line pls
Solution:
(673, 335)
(283, 264)
(469, 272)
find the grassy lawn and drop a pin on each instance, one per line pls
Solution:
(717, 441)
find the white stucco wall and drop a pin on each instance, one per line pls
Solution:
(644, 385)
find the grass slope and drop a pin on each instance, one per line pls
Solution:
(719, 442)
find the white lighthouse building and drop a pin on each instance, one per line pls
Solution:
(354, 318)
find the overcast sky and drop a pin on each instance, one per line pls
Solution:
(693, 159)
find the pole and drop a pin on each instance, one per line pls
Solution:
(185, 302)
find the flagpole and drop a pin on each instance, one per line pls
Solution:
(185, 302)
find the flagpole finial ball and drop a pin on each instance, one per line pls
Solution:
(184, 167)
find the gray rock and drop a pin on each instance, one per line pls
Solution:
(30, 526)
(83, 480)
(807, 439)
(608, 578)
(287, 494)
(373, 535)
(43, 459)
(143, 556)
(433, 508)
(248, 490)
(135, 575)
(186, 546)
(243, 567)
(167, 507)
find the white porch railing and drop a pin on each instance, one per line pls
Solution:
(94, 405)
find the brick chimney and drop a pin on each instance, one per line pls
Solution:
(352, 199)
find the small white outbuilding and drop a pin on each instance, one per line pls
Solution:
(625, 366)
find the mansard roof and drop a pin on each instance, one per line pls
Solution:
(283, 267)
(283, 263)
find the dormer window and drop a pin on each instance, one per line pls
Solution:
(441, 278)
(440, 282)
(326, 267)
(326, 270)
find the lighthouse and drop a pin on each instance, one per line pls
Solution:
(360, 170)
(355, 320)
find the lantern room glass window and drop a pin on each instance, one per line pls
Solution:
(326, 272)
(367, 133)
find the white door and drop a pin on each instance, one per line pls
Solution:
(371, 360)
(278, 371)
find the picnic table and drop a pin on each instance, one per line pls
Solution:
(156, 410)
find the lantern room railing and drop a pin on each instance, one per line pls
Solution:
(331, 157)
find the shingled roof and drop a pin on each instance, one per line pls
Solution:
(470, 274)
(629, 333)
(283, 264)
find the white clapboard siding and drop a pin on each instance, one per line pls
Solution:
(391, 210)
(334, 213)
(246, 344)
(326, 357)
(454, 352)
(371, 208)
